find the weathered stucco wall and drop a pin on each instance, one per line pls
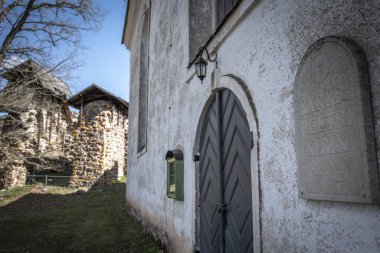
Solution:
(97, 146)
(264, 50)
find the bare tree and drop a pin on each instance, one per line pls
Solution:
(33, 29)
(33, 123)
(39, 40)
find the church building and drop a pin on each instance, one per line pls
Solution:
(255, 125)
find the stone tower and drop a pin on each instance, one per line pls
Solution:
(98, 145)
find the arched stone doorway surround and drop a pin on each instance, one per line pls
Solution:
(239, 88)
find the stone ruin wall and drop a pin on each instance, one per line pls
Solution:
(17, 143)
(53, 127)
(95, 150)
(98, 146)
(37, 134)
(30, 134)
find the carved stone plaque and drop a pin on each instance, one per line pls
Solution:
(335, 141)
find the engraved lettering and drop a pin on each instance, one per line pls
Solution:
(339, 176)
(323, 122)
(318, 177)
(330, 121)
(328, 175)
(320, 103)
(327, 145)
(326, 148)
(330, 97)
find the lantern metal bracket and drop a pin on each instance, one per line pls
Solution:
(201, 64)
(208, 55)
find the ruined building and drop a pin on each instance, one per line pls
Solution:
(34, 120)
(98, 146)
(40, 135)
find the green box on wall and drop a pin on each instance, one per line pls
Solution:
(175, 174)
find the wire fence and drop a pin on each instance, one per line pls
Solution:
(48, 180)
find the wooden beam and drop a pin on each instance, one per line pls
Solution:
(81, 110)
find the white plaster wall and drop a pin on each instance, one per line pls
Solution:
(264, 50)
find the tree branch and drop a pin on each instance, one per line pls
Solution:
(16, 28)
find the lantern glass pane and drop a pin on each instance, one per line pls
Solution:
(198, 68)
(203, 69)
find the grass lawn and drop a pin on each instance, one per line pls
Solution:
(61, 220)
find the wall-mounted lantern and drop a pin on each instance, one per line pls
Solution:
(201, 64)
(175, 174)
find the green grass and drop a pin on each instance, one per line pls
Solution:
(12, 194)
(94, 221)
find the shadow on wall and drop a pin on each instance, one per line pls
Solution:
(108, 177)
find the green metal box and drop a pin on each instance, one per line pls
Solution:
(175, 174)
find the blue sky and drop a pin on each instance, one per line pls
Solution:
(106, 59)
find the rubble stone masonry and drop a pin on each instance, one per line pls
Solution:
(98, 146)
(29, 134)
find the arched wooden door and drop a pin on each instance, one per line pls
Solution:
(225, 178)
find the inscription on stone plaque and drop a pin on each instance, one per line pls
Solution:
(335, 141)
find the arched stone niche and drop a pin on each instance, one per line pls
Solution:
(335, 141)
(143, 83)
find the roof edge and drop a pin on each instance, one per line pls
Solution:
(132, 13)
(125, 23)
(36, 67)
(80, 93)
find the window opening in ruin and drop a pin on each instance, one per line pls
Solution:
(41, 125)
(58, 118)
(47, 122)
(4, 115)
(51, 126)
